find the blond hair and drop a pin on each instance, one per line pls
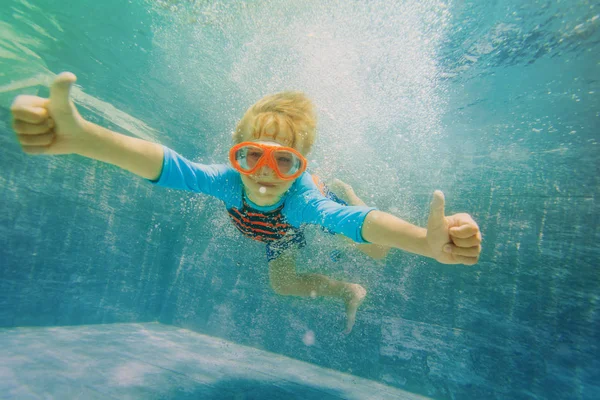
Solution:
(291, 110)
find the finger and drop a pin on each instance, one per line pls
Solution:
(29, 113)
(470, 242)
(463, 251)
(25, 128)
(436, 210)
(349, 325)
(36, 140)
(60, 91)
(34, 150)
(26, 100)
(467, 260)
(464, 231)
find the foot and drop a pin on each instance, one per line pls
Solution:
(355, 295)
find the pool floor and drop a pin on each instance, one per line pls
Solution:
(156, 361)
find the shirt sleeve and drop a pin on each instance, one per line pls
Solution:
(306, 205)
(220, 181)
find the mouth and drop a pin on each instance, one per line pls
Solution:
(267, 184)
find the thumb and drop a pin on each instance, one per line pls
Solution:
(436, 210)
(60, 90)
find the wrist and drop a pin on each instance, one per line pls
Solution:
(422, 243)
(387, 230)
(89, 138)
(429, 251)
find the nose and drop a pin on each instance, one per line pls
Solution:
(265, 170)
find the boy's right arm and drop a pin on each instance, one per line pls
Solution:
(53, 126)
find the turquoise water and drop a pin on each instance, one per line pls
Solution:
(495, 103)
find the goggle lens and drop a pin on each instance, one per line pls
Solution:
(287, 163)
(247, 157)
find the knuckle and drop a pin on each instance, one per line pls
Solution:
(26, 149)
(30, 140)
(469, 261)
(24, 140)
(19, 126)
(49, 139)
(16, 103)
(41, 140)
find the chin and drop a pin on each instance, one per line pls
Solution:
(271, 192)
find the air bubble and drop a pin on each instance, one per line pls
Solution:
(262, 190)
(309, 338)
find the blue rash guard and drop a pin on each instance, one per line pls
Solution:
(280, 224)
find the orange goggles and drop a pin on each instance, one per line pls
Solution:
(249, 157)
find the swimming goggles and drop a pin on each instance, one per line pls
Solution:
(249, 157)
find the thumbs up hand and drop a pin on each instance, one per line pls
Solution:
(455, 239)
(49, 126)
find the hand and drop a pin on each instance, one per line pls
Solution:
(49, 126)
(455, 239)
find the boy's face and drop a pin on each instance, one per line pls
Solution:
(264, 187)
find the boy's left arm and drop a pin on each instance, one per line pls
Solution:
(454, 239)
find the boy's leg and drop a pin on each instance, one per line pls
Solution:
(286, 281)
(346, 193)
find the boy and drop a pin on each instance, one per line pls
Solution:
(266, 190)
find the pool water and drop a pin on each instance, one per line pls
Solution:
(493, 102)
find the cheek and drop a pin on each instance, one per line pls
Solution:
(246, 182)
(286, 187)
